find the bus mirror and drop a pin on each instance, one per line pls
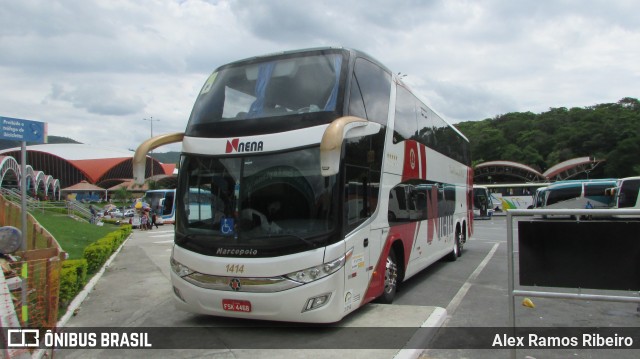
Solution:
(334, 136)
(140, 156)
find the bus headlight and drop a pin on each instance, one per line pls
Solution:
(314, 273)
(180, 269)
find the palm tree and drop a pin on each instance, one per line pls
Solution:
(122, 194)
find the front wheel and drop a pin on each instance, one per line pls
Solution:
(390, 279)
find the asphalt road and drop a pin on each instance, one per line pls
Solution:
(135, 292)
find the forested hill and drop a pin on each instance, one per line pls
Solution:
(609, 131)
(4, 144)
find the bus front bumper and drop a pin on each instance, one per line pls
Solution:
(289, 305)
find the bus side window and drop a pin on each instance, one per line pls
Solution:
(629, 193)
(168, 203)
(374, 85)
(405, 125)
(421, 204)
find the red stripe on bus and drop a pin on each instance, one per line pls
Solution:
(404, 232)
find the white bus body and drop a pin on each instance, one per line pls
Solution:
(626, 194)
(506, 196)
(330, 183)
(577, 194)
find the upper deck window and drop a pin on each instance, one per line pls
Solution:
(269, 87)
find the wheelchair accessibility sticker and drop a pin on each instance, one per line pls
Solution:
(226, 226)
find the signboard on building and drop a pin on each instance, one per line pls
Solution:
(15, 129)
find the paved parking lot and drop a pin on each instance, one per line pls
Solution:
(135, 292)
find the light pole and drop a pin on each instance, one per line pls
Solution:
(150, 119)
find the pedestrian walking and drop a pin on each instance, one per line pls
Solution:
(153, 220)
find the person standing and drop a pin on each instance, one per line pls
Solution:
(143, 221)
(93, 214)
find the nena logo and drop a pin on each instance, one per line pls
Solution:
(236, 146)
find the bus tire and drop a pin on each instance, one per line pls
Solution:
(390, 279)
(457, 247)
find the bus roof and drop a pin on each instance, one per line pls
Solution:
(311, 49)
(579, 183)
(516, 185)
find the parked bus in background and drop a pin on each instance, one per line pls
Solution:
(482, 203)
(576, 194)
(162, 202)
(625, 193)
(505, 196)
(302, 153)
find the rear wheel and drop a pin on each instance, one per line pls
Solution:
(457, 247)
(390, 279)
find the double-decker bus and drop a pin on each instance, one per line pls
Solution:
(329, 183)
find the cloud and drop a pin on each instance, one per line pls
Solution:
(94, 63)
(101, 99)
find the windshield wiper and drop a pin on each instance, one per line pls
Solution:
(308, 242)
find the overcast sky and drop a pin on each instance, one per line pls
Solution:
(93, 70)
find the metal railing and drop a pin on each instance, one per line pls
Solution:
(571, 213)
(74, 209)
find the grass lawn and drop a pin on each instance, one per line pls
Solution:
(72, 235)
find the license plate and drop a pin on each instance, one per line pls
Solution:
(233, 305)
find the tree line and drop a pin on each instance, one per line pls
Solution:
(609, 131)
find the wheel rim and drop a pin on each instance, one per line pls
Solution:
(456, 246)
(390, 275)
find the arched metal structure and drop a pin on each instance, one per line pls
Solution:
(571, 168)
(9, 172)
(73, 163)
(489, 172)
(31, 180)
(507, 171)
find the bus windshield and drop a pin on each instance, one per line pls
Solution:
(160, 201)
(268, 201)
(265, 88)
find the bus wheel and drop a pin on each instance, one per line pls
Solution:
(390, 279)
(457, 247)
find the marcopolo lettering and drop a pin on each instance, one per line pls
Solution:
(236, 252)
(235, 145)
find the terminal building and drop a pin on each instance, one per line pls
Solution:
(83, 169)
(494, 172)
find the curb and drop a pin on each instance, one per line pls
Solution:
(434, 321)
(77, 301)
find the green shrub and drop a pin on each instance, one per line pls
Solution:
(68, 284)
(96, 254)
(81, 267)
(73, 277)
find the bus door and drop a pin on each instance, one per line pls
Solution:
(361, 242)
